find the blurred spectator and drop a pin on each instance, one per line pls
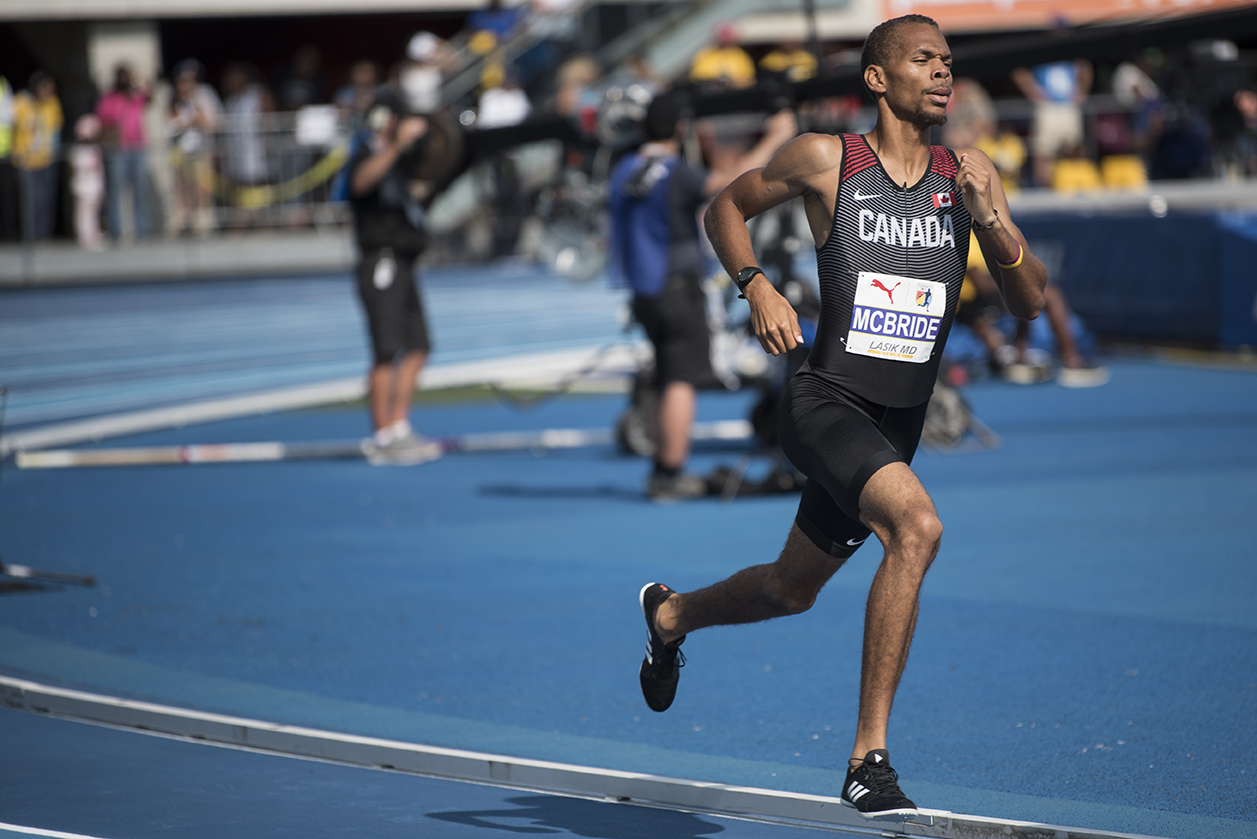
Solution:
(1132, 85)
(243, 144)
(1057, 90)
(301, 85)
(423, 72)
(1246, 104)
(491, 26)
(355, 98)
(969, 107)
(1235, 135)
(194, 114)
(971, 122)
(654, 201)
(982, 308)
(574, 76)
(1134, 88)
(121, 112)
(37, 123)
(642, 73)
(502, 104)
(10, 226)
(87, 181)
(724, 64)
(790, 61)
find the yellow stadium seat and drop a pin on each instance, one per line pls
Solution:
(1076, 174)
(1123, 171)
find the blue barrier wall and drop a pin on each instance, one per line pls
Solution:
(1238, 270)
(1189, 277)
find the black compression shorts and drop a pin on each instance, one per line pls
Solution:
(839, 440)
(390, 296)
(676, 323)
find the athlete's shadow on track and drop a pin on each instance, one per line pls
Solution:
(543, 814)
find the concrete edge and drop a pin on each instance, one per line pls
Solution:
(503, 770)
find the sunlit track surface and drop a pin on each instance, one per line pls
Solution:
(77, 352)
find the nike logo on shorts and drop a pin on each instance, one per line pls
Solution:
(856, 544)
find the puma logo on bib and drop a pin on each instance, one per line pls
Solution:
(896, 317)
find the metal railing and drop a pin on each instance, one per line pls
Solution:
(260, 170)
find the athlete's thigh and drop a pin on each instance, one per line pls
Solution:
(834, 443)
(893, 496)
(838, 447)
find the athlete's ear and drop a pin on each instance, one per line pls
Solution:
(875, 79)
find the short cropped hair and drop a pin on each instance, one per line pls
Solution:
(881, 42)
(662, 117)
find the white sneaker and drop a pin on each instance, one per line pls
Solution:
(1024, 373)
(1089, 376)
(408, 450)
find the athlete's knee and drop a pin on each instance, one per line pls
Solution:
(918, 536)
(786, 598)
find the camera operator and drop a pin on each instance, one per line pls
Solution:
(389, 225)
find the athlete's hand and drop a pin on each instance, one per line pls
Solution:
(974, 182)
(772, 317)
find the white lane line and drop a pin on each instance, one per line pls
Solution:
(39, 831)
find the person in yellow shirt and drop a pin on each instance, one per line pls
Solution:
(790, 60)
(37, 123)
(724, 64)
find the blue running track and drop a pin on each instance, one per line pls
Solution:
(1086, 653)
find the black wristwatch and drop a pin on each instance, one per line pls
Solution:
(744, 277)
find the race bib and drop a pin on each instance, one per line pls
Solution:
(896, 317)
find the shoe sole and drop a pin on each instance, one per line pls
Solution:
(882, 814)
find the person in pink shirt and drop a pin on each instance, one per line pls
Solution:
(121, 114)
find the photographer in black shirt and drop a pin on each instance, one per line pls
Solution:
(389, 225)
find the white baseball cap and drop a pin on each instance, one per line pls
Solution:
(423, 47)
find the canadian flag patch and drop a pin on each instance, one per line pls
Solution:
(944, 199)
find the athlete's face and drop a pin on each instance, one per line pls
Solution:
(918, 79)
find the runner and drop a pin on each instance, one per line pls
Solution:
(891, 216)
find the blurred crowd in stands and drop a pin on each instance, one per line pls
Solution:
(188, 154)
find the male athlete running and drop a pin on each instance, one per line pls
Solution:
(891, 216)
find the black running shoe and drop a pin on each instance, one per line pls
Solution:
(873, 788)
(661, 668)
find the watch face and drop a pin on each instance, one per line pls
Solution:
(746, 275)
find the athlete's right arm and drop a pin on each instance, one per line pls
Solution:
(805, 166)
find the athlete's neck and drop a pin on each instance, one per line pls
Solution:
(903, 149)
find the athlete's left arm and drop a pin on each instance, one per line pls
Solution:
(1021, 275)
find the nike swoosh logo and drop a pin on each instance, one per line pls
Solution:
(860, 197)
(854, 544)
